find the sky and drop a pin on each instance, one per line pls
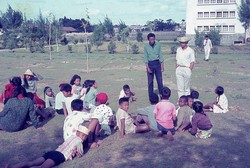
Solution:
(132, 12)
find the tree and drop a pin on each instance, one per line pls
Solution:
(11, 19)
(98, 35)
(244, 14)
(109, 27)
(139, 37)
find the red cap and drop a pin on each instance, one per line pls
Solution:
(102, 98)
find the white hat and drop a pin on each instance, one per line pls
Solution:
(28, 72)
(83, 129)
(183, 39)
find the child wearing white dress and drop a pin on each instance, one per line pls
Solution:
(49, 97)
(76, 85)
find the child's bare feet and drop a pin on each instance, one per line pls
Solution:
(170, 136)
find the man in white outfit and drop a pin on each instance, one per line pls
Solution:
(184, 65)
(207, 47)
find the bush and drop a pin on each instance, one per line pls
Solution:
(87, 49)
(81, 41)
(139, 37)
(135, 49)
(75, 41)
(64, 41)
(70, 48)
(32, 49)
(173, 49)
(215, 37)
(214, 50)
(199, 38)
(111, 47)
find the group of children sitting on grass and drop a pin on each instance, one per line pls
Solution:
(88, 116)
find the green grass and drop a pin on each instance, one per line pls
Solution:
(228, 146)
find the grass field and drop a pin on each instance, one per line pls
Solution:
(229, 145)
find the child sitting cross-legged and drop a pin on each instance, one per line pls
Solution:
(67, 151)
(201, 124)
(165, 114)
(126, 92)
(184, 114)
(125, 122)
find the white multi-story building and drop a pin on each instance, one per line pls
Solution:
(222, 15)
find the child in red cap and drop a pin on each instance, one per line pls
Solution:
(103, 112)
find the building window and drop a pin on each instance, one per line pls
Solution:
(226, 1)
(232, 1)
(200, 1)
(218, 27)
(232, 13)
(200, 14)
(225, 28)
(199, 28)
(213, 1)
(206, 28)
(212, 27)
(212, 14)
(231, 28)
(206, 1)
(225, 14)
(206, 14)
(219, 1)
(219, 14)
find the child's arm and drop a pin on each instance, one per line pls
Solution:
(65, 109)
(122, 131)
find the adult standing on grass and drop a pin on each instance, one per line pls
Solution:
(154, 61)
(184, 65)
(207, 47)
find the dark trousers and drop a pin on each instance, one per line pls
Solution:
(155, 67)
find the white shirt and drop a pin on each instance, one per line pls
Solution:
(122, 94)
(59, 100)
(185, 57)
(103, 113)
(207, 43)
(223, 102)
(72, 122)
(67, 101)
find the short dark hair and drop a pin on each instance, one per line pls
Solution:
(197, 107)
(154, 98)
(66, 87)
(123, 99)
(165, 93)
(74, 78)
(77, 104)
(126, 87)
(151, 35)
(30, 95)
(189, 97)
(20, 90)
(219, 90)
(16, 81)
(194, 94)
(184, 98)
(206, 35)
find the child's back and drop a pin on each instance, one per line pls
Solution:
(184, 115)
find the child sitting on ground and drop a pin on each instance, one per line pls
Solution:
(49, 97)
(85, 89)
(147, 114)
(91, 93)
(195, 95)
(67, 151)
(125, 122)
(126, 92)
(165, 114)
(59, 100)
(190, 101)
(221, 103)
(30, 84)
(79, 116)
(76, 85)
(201, 125)
(104, 113)
(184, 114)
(69, 97)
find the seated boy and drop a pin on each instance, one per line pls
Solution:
(59, 99)
(125, 122)
(79, 116)
(184, 115)
(195, 95)
(165, 114)
(67, 151)
(126, 92)
(103, 112)
(147, 114)
(69, 97)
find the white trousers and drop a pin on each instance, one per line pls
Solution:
(183, 75)
(207, 52)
